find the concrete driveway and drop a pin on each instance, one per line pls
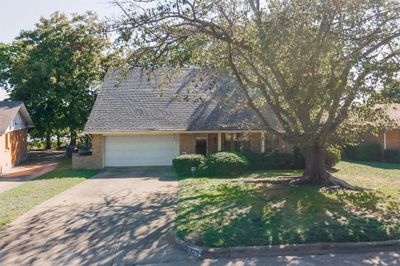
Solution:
(121, 216)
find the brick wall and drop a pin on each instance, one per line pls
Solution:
(187, 142)
(81, 162)
(94, 161)
(97, 151)
(5, 158)
(393, 139)
(18, 146)
(13, 149)
(212, 143)
(255, 142)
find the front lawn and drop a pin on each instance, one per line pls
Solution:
(230, 212)
(19, 200)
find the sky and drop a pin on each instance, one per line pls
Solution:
(17, 15)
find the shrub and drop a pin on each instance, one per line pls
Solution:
(363, 152)
(278, 160)
(227, 164)
(298, 159)
(257, 161)
(392, 156)
(295, 160)
(184, 163)
(332, 156)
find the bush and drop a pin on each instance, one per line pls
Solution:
(275, 160)
(332, 157)
(184, 163)
(257, 161)
(363, 152)
(278, 160)
(227, 164)
(298, 159)
(392, 156)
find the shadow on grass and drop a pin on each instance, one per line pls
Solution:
(253, 174)
(237, 215)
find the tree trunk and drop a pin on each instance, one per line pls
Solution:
(315, 172)
(58, 141)
(48, 141)
(73, 139)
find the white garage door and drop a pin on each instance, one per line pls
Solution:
(140, 150)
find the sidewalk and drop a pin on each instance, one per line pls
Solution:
(38, 164)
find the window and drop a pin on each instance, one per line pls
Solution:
(271, 142)
(201, 145)
(236, 142)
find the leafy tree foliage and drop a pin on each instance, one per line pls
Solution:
(54, 69)
(314, 64)
(391, 91)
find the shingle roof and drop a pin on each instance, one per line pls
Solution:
(165, 99)
(392, 110)
(8, 110)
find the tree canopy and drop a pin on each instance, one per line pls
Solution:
(315, 64)
(54, 69)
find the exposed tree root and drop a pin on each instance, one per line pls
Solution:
(277, 181)
(329, 182)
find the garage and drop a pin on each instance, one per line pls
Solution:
(140, 150)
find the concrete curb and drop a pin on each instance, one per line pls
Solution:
(282, 250)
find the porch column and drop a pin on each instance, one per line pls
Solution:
(384, 140)
(262, 142)
(219, 141)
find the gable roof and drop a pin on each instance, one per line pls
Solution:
(185, 99)
(392, 110)
(8, 110)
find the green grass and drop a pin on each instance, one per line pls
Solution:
(19, 200)
(227, 212)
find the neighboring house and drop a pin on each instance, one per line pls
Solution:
(14, 123)
(144, 118)
(389, 139)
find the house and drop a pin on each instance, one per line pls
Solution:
(143, 118)
(14, 124)
(389, 139)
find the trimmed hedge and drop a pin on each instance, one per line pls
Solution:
(363, 152)
(227, 164)
(392, 156)
(277, 160)
(295, 160)
(184, 163)
(232, 163)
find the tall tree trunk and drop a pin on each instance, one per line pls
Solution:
(315, 169)
(58, 141)
(315, 172)
(73, 139)
(48, 141)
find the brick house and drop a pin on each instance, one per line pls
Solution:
(14, 124)
(389, 139)
(143, 118)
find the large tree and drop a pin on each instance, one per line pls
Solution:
(54, 69)
(313, 63)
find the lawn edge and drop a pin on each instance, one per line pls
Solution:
(282, 250)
